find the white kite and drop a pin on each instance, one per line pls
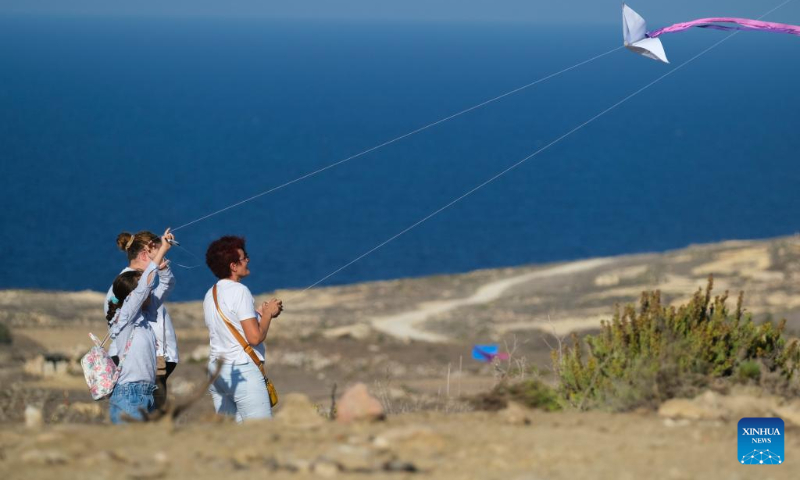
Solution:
(637, 39)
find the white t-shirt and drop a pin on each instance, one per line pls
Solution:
(237, 303)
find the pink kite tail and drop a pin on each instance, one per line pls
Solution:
(741, 24)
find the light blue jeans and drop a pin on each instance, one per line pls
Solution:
(131, 399)
(240, 391)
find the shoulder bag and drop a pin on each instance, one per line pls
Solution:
(273, 393)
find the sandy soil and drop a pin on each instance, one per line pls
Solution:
(409, 340)
(420, 445)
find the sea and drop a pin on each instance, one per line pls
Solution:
(111, 124)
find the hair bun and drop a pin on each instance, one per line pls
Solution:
(124, 241)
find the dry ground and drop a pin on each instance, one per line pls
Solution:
(341, 335)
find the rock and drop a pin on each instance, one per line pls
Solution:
(248, 456)
(146, 472)
(312, 360)
(49, 437)
(298, 411)
(357, 404)
(161, 457)
(688, 409)
(515, 414)
(400, 466)
(745, 405)
(668, 422)
(33, 417)
(44, 457)
(325, 469)
(713, 406)
(103, 458)
(358, 331)
(353, 458)
(180, 387)
(607, 280)
(416, 437)
(296, 465)
(34, 366)
(790, 413)
(87, 409)
(200, 353)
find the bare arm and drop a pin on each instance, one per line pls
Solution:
(255, 330)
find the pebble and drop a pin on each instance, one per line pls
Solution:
(33, 418)
(325, 469)
(44, 457)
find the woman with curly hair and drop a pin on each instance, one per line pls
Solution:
(237, 330)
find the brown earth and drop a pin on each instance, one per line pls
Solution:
(410, 341)
(418, 445)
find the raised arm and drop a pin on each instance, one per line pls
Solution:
(133, 302)
(166, 282)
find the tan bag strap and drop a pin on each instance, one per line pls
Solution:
(238, 336)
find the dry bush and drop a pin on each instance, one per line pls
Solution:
(641, 358)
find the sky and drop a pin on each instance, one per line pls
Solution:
(526, 11)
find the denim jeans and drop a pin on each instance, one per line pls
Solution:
(129, 398)
(240, 391)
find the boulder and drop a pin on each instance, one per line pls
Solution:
(688, 409)
(357, 404)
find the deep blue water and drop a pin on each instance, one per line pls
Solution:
(112, 124)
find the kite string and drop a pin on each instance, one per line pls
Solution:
(188, 267)
(520, 162)
(396, 139)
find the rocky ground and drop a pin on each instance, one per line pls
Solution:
(409, 341)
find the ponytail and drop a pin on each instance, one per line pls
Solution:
(112, 310)
(124, 284)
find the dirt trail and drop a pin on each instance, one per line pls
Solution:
(405, 325)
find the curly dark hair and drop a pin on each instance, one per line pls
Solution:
(222, 252)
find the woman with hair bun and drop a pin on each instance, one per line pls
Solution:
(140, 248)
(132, 314)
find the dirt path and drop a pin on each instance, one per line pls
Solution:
(405, 325)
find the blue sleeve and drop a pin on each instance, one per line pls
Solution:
(133, 302)
(166, 282)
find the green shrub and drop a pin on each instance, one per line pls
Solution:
(5, 334)
(643, 357)
(749, 370)
(532, 393)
